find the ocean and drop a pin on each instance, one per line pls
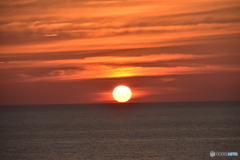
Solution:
(161, 131)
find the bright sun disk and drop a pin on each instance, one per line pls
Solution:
(122, 93)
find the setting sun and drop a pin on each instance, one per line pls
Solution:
(122, 93)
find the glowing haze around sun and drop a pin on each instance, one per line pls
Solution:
(122, 93)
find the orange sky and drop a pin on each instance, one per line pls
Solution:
(55, 52)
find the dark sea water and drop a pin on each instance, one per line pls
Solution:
(164, 131)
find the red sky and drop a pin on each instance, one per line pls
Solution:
(64, 52)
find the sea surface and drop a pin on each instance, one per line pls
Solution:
(161, 131)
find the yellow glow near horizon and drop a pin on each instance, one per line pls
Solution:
(122, 93)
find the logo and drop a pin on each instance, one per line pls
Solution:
(212, 153)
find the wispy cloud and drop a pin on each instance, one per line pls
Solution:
(100, 67)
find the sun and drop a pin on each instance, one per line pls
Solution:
(122, 93)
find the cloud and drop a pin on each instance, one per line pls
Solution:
(46, 41)
(16, 3)
(101, 71)
(133, 20)
(187, 87)
(51, 35)
(104, 60)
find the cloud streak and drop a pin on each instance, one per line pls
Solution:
(100, 67)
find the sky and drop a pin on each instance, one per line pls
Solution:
(78, 51)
